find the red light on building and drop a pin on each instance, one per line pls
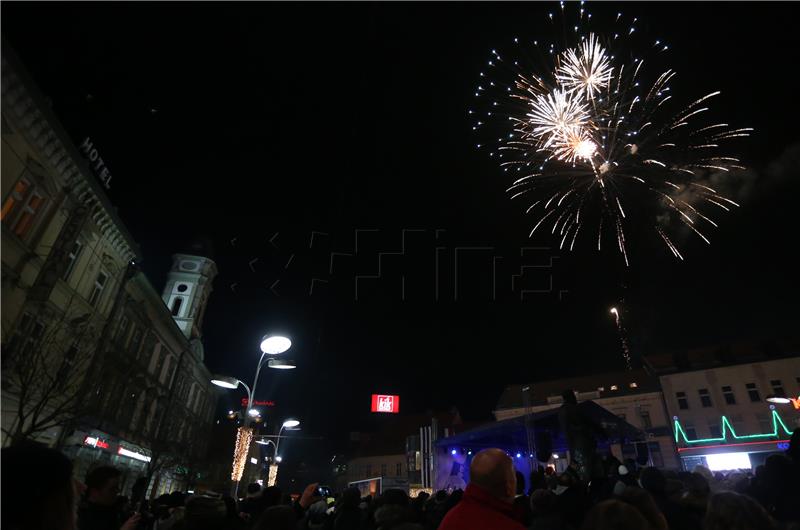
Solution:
(95, 442)
(383, 403)
(257, 403)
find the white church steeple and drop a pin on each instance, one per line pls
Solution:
(187, 291)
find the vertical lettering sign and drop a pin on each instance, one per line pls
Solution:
(96, 162)
(385, 403)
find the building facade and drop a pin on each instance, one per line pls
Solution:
(634, 396)
(93, 360)
(718, 403)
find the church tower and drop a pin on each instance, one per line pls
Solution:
(187, 291)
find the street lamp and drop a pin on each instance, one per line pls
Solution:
(270, 345)
(289, 424)
(281, 364)
(275, 344)
(780, 400)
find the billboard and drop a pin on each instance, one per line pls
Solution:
(384, 403)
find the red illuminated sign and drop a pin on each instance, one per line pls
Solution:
(257, 403)
(95, 442)
(383, 403)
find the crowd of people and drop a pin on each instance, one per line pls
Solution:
(39, 492)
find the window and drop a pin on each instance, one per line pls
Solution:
(97, 290)
(136, 341)
(15, 197)
(777, 388)
(752, 391)
(714, 429)
(21, 207)
(176, 306)
(383, 470)
(688, 428)
(683, 402)
(655, 454)
(399, 469)
(727, 393)
(633, 385)
(72, 257)
(646, 421)
(764, 423)
(66, 366)
(182, 288)
(705, 398)
(614, 387)
(737, 422)
(123, 329)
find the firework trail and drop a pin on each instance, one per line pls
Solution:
(593, 144)
(626, 353)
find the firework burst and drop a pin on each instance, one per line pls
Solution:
(591, 139)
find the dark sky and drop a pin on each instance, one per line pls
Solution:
(239, 122)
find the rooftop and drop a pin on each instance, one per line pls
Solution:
(610, 384)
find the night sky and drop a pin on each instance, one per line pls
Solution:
(253, 126)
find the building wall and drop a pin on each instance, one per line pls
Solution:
(645, 411)
(50, 302)
(746, 415)
(386, 466)
(72, 297)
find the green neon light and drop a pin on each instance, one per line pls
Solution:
(726, 426)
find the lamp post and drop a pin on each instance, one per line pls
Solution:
(270, 345)
(290, 424)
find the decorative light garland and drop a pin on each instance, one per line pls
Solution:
(244, 435)
(726, 426)
(273, 474)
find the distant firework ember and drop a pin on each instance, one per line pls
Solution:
(593, 144)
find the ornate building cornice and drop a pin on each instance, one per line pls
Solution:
(25, 104)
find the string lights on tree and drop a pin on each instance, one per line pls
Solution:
(244, 435)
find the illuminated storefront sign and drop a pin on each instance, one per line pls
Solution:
(133, 454)
(384, 403)
(95, 442)
(728, 431)
(257, 403)
(796, 403)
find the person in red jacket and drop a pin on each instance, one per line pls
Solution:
(487, 502)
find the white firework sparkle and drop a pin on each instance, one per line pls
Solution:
(587, 133)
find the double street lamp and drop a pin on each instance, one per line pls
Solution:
(270, 345)
(290, 424)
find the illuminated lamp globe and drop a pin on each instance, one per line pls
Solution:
(279, 459)
(779, 400)
(253, 412)
(289, 424)
(275, 344)
(225, 381)
(281, 364)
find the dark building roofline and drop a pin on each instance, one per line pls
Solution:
(720, 355)
(513, 396)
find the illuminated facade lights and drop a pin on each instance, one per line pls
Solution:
(273, 475)
(244, 435)
(727, 429)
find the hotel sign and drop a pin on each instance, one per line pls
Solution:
(96, 162)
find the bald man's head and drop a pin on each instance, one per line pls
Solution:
(493, 470)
